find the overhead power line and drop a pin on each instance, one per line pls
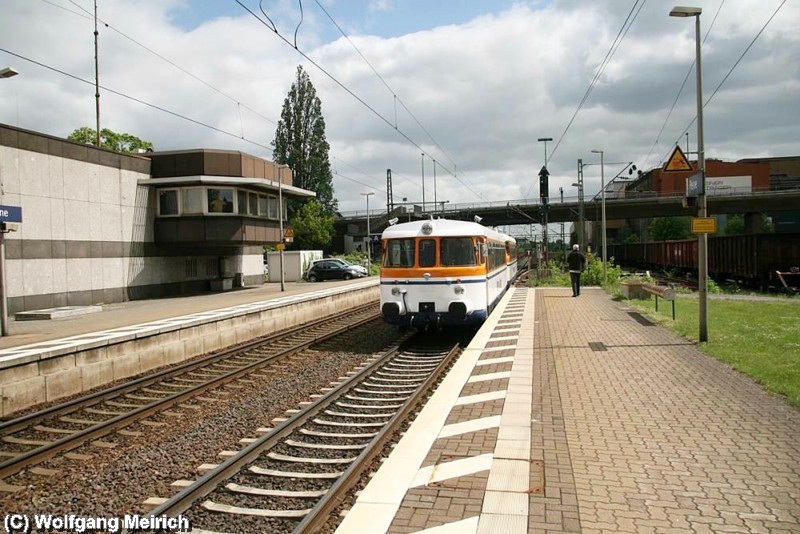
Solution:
(601, 69)
(89, 16)
(680, 90)
(271, 26)
(134, 99)
(730, 71)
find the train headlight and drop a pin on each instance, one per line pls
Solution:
(459, 290)
(396, 291)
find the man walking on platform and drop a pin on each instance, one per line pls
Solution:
(576, 261)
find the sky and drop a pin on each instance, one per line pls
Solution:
(472, 84)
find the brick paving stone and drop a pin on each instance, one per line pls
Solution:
(659, 436)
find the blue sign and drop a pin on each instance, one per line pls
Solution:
(10, 214)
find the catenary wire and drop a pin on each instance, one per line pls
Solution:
(134, 99)
(680, 90)
(730, 71)
(614, 47)
(354, 95)
(86, 14)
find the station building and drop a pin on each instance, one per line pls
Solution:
(102, 227)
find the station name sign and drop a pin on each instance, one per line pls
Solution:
(10, 214)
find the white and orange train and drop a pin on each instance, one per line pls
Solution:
(444, 272)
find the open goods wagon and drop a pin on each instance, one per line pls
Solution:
(752, 258)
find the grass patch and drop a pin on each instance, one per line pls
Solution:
(758, 338)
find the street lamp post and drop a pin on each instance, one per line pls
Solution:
(603, 213)
(702, 239)
(369, 238)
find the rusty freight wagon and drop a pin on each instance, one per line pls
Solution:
(753, 259)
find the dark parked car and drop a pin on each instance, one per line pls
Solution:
(334, 269)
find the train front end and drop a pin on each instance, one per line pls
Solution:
(433, 274)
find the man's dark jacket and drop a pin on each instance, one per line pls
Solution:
(576, 261)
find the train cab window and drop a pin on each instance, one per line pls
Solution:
(457, 251)
(399, 253)
(427, 252)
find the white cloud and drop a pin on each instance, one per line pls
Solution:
(485, 90)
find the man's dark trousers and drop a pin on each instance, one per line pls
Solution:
(576, 283)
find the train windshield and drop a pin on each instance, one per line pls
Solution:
(399, 253)
(456, 251)
(427, 252)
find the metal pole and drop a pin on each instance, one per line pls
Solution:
(603, 215)
(434, 184)
(3, 302)
(702, 245)
(280, 225)
(96, 76)
(423, 181)
(581, 219)
(369, 237)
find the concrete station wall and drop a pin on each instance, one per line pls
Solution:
(48, 379)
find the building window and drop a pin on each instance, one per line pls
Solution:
(262, 205)
(191, 201)
(168, 202)
(220, 200)
(253, 198)
(273, 207)
(241, 200)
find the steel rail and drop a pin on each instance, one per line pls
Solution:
(44, 452)
(213, 478)
(320, 513)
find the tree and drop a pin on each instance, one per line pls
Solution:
(300, 142)
(118, 142)
(313, 226)
(669, 228)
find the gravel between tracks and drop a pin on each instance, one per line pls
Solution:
(116, 481)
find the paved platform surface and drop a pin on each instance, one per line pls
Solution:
(574, 415)
(141, 311)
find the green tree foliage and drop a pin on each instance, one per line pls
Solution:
(313, 226)
(735, 225)
(669, 228)
(118, 142)
(300, 142)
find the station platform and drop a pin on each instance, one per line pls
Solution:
(578, 415)
(47, 360)
(123, 314)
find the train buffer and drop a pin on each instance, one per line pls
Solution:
(665, 292)
(792, 275)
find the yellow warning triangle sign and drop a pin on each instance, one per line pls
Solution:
(677, 162)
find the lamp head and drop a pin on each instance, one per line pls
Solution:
(596, 151)
(8, 72)
(683, 11)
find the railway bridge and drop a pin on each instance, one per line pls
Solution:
(627, 205)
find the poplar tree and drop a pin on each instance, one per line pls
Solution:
(300, 142)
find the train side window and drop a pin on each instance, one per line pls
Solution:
(457, 251)
(427, 252)
(399, 253)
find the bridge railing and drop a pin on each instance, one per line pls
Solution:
(611, 196)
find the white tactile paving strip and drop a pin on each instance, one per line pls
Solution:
(505, 504)
(47, 349)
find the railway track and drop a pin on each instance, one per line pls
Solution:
(291, 478)
(36, 437)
